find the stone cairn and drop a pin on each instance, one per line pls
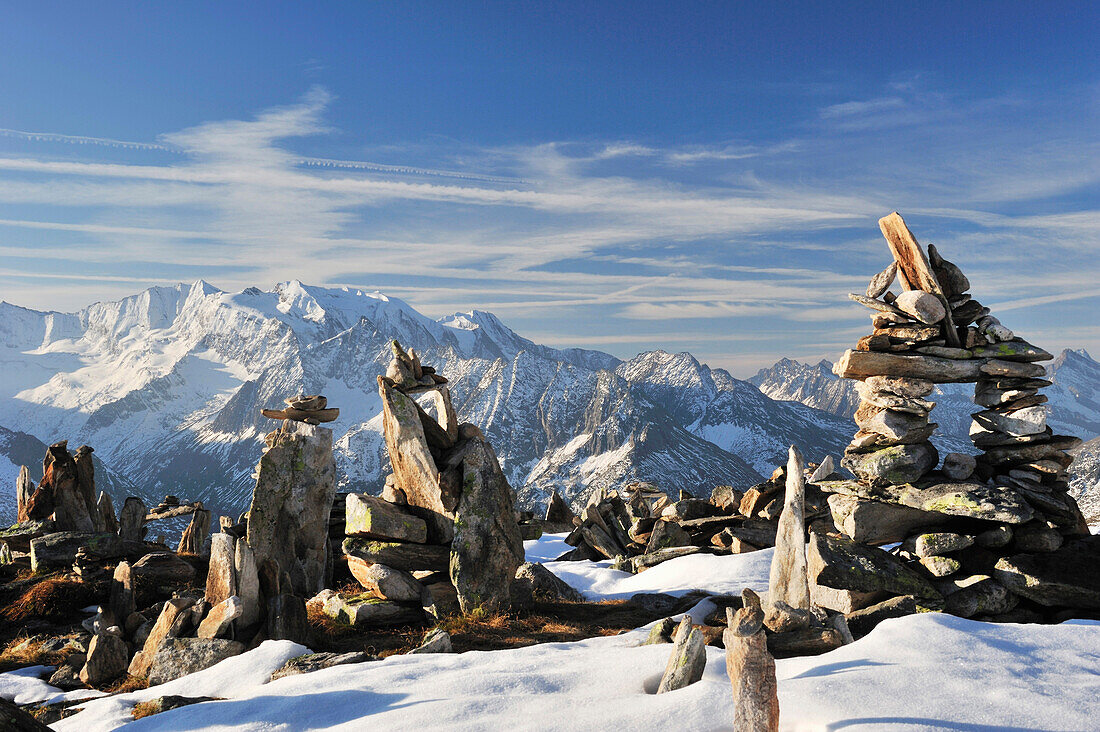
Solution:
(994, 536)
(443, 535)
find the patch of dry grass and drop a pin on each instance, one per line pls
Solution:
(126, 684)
(53, 598)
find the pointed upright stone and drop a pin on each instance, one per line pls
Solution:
(24, 489)
(487, 548)
(194, 536)
(106, 508)
(688, 659)
(292, 503)
(131, 522)
(788, 581)
(415, 472)
(85, 480)
(61, 483)
(248, 585)
(221, 578)
(751, 669)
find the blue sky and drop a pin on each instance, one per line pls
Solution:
(622, 176)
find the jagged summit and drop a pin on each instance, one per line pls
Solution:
(167, 385)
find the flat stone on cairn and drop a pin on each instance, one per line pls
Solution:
(309, 409)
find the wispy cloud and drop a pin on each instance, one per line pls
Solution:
(756, 241)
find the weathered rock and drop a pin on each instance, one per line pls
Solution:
(726, 498)
(875, 522)
(950, 277)
(366, 609)
(782, 618)
(194, 536)
(804, 642)
(689, 508)
(374, 518)
(895, 465)
(487, 549)
(667, 534)
(863, 364)
(317, 661)
(107, 660)
(958, 466)
(159, 569)
(994, 538)
(940, 566)
(903, 387)
(979, 595)
(67, 675)
(756, 498)
(971, 500)
(825, 469)
(292, 502)
(168, 624)
(219, 621)
(862, 622)
(178, 657)
(415, 471)
(24, 489)
(408, 557)
(1011, 350)
(1034, 537)
(845, 565)
(661, 632)
(787, 581)
(436, 640)
(221, 578)
(687, 660)
(18, 536)
(842, 601)
(938, 543)
(287, 618)
(922, 306)
(1027, 421)
(558, 511)
(660, 556)
(1066, 577)
(121, 602)
(898, 426)
(542, 584)
(59, 550)
(751, 670)
(105, 507)
(248, 584)
(385, 582)
(881, 282)
(131, 521)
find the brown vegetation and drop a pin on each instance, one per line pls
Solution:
(546, 622)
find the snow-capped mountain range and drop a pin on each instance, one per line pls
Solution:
(167, 386)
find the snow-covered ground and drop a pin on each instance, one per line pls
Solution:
(923, 672)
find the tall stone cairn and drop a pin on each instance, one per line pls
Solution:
(449, 475)
(997, 534)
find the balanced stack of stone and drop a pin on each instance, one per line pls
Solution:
(995, 536)
(447, 513)
(309, 409)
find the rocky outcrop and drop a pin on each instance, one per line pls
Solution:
(289, 514)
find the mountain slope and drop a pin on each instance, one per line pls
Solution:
(167, 386)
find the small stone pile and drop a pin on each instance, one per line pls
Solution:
(640, 526)
(994, 536)
(444, 533)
